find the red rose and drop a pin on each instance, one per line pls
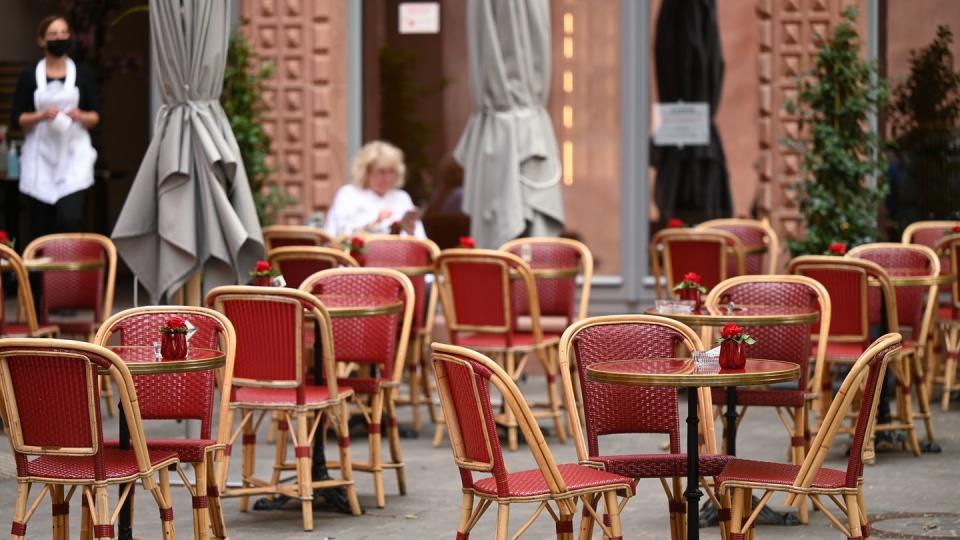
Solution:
(692, 277)
(356, 242)
(467, 242)
(731, 330)
(3, 236)
(262, 266)
(175, 322)
(838, 248)
(956, 229)
(675, 223)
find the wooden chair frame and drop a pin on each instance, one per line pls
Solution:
(333, 256)
(948, 246)
(565, 499)
(567, 358)
(543, 349)
(208, 474)
(316, 235)
(419, 380)
(385, 400)
(98, 517)
(736, 495)
(305, 419)
(586, 265)
(25, 296)
(913, 228)
(770, 239)
(661, 266)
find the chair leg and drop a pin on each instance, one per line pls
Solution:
(466, 512)
(213, 500)
(906, 412)
(393, 434)
(923, 396)
(102, 524)
(413, 381)
(613, 510)
(678, 511)
(426, 384)
(559, 419)
(564, 524)
(201, 503)
(864, 519)
(948, 379)
(304, 469)
(280, 458)
(586, 518)
(798, 447)
(376, 453)
(438, 432)
(19, 529)
(346, 464)
(511, 421)
(248, 457)
(853, 516)
(59, 513)
(503, 521)
(86, 518)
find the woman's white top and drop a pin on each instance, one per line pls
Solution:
(57, 157)
(355, 210)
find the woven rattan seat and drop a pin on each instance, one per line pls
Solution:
(659, 465)
(523, 484)
(117, 465)
(314, 396)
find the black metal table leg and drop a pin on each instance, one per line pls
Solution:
(693, 493)
(125, 520)
(730, 435)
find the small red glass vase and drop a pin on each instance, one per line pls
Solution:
(691, 294)
(359, 257)
(266, 281)
(733, 355)
(173, 345)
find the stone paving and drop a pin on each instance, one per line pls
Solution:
(926, 488)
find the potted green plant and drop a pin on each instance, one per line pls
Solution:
(840, 152)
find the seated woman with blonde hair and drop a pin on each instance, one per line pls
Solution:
(374, 202)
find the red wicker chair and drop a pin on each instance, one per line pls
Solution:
(297, 263)
(185, 396)
(87, 289)
(949, 249)
(378, 345)
(52, 411)
(414, 258)
(612, 409)
(740, 477)
(275, 236)
(479, 305)
(759, 241)
(30, 327)
(674, 252)
(929, 233)
(269, 375)
(464, 378)
(915, 310)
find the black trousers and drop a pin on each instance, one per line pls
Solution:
(66, 215)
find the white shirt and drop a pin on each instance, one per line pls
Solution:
(353, 209)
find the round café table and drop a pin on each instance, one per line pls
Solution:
(686, 373)
(143, 360)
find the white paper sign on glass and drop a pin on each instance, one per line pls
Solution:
(681, 124)
(419, 18)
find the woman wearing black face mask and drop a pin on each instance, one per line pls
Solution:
(55, 105)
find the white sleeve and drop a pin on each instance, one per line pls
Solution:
(339, 209)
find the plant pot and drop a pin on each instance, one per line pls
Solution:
(691, 294)
(173, 346)
(263, 281)
(733, 355)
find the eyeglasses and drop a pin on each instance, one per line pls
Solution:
(383, 171)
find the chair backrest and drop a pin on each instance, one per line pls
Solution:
(853, 308)
(414, 258)
(25, 293)
(674, 252)
(84, 289)
(464, 378)
(929, 233)
(863, 380)
(915, 304)
(176, 396)
(759, 240)
(275, 236)
(379, 339)
(611, 408)
(297, 263)
(269, 323)
(476, 292)
(790, 343)
(52, 400)
(948, 249)
(557, 295)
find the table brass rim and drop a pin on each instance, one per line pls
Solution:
(550, 273)
(414, 271)
(791, 372)
(917, 281)
(743, 319)
(55, 266)
(369, 311)
(172, 366)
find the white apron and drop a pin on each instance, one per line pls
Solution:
(55, 164)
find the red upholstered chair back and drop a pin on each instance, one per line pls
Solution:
(464, 379)
(674, 252)
(176, 396)
(414, 257)
(275, 236)
(84, 289)
(929, 233)
(378, 340)
(948, 248)
(298, 263)
(863, 380)
(9, 257)
(611, 408)
(557, 295)
(52, 400)
(477, 293)
(753, 235)
(904, 260)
